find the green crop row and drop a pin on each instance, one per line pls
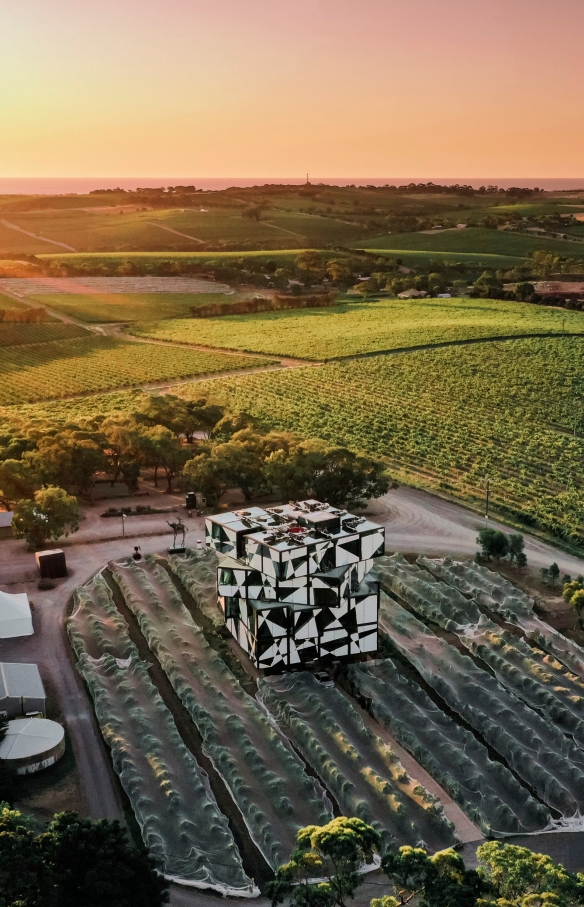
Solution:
(356, 327)
(448, 419)
(59, 369)
(21, 334)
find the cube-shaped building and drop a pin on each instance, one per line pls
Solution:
(295, 582)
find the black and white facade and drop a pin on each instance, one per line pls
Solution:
(295, 582)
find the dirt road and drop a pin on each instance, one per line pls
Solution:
(52, 242)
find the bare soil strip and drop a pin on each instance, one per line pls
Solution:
(53, 242)
(178, 233)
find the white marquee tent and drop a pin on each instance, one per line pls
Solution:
(15, 616)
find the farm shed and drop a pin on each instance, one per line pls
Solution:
(51, 564)
(15, 615)
(31, 744)
(21, 690)
(6, 524)
(412, 294)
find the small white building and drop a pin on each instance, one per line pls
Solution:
(15, 615)
(21, 690)
(6, 524)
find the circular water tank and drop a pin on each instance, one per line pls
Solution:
(31, 744)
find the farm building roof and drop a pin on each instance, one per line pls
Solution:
(15, 616)
(20, 680)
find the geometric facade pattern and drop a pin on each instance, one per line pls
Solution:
(295, 583)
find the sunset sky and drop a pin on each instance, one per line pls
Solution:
(277, 88)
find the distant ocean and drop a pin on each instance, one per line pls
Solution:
(64, 185)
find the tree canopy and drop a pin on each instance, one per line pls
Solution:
(74, 863)
(330, 854)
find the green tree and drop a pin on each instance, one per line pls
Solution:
(570, 587)
(74, 863)
(125, 447)
(494, 543)
(554, 573)
(516, 873)
(577, 603)
(166, 452)
(204, 415)
(18, 479)
(488, 285)
(241, 461)
(51, 514)
(23, 873)
(440, 880)
(521, 559)
(310, 266)
(70, 459)
(348, 479)
(340, 272)
(524, 291)
(231, 423)
(333, 853)
(311, 468)
(516, 544)
(254, 212)
(94, 865)
(367, 287)
(206, 474)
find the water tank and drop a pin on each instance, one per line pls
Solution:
(31, 744)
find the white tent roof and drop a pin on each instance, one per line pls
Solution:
(15, 616)
(27, 737)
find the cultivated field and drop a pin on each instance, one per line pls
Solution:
(95, 231)
(254, 774)
(45, 332)
(178, 815)
(475, 240)
(104, 308)
(362, 327)
(57, 369)
(522, 702)
(448, 419)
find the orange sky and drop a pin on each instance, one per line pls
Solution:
(281, 87)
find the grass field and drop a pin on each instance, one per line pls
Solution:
(7, 302)
(169, 229)
(362, 327)
(115, 307)
(46, 371)
(475, 240)
(415, 258)
(446, 419)
(46, 332)
(112, 260)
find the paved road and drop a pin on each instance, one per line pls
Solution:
(417, 521)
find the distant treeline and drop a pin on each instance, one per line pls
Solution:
(171, 193)
(23, 316)
(261, 304)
